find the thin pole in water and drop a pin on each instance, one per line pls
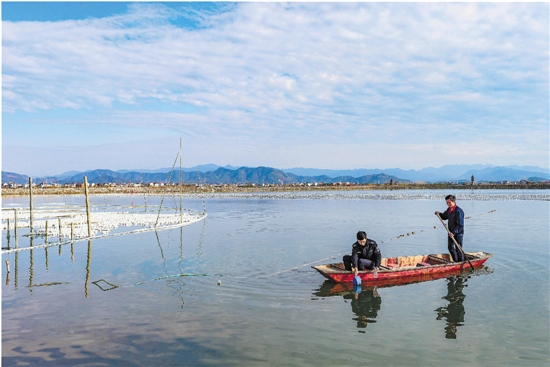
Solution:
(15, 224)
(30, 206)
(87, 206)
(181, 213)
(8, 234)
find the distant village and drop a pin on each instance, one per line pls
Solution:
(76, 187)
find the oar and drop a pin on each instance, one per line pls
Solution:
(456, 243)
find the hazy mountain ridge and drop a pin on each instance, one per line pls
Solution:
(213, 174)
(258, 175)
(445, 173)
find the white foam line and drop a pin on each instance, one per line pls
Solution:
(196, 218)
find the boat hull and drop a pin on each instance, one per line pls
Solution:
(406, 269)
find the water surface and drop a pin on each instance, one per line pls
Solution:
(154, 299)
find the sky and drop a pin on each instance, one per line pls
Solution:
(318, 85)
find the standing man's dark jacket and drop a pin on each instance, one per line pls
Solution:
(370, 251)
(456, 220)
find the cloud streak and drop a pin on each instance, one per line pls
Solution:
(273, 74)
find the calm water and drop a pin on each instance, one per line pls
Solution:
(153, 299)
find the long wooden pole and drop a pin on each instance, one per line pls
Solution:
(181, 213)
(15, 224)
(30, 206)
(87, 206)
(8, 234)
(454, 240)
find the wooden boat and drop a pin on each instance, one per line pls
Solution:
(406, 269)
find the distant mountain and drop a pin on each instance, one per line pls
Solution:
(68, 174)
(431, 174)
(14, 177)
(537, 179)
(261, 175)
(530, 168)
(426, 174)
(501, 174)
(201, 168)
(258, 176)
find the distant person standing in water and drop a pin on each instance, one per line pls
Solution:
(455, 217)
(364, 254)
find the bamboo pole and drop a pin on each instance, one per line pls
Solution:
(87, 206)
(59, 238)
(30, 206)
(15, 225)
(181, 205)
(8, 234)
(46, 232)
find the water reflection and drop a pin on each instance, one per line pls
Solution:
(102, 284)
(365, 302)
(453, 313)
(88, 262)
(174, 281)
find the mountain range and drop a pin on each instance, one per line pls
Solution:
(213, 174)
(258, 176)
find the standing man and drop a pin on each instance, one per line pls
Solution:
(364, 254)
(455, 217)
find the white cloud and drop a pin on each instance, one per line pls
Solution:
(295, 73)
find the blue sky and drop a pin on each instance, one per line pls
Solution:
(323, 85)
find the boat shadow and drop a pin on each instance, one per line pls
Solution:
(366, 302)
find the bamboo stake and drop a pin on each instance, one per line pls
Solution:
(15, 224)
(8, 234)
(46, 231)
(181, 205)
(59, 237)
(30, 206)
(87, 206)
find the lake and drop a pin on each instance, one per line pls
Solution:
(237, 288)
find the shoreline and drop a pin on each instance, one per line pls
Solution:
(192, 189)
